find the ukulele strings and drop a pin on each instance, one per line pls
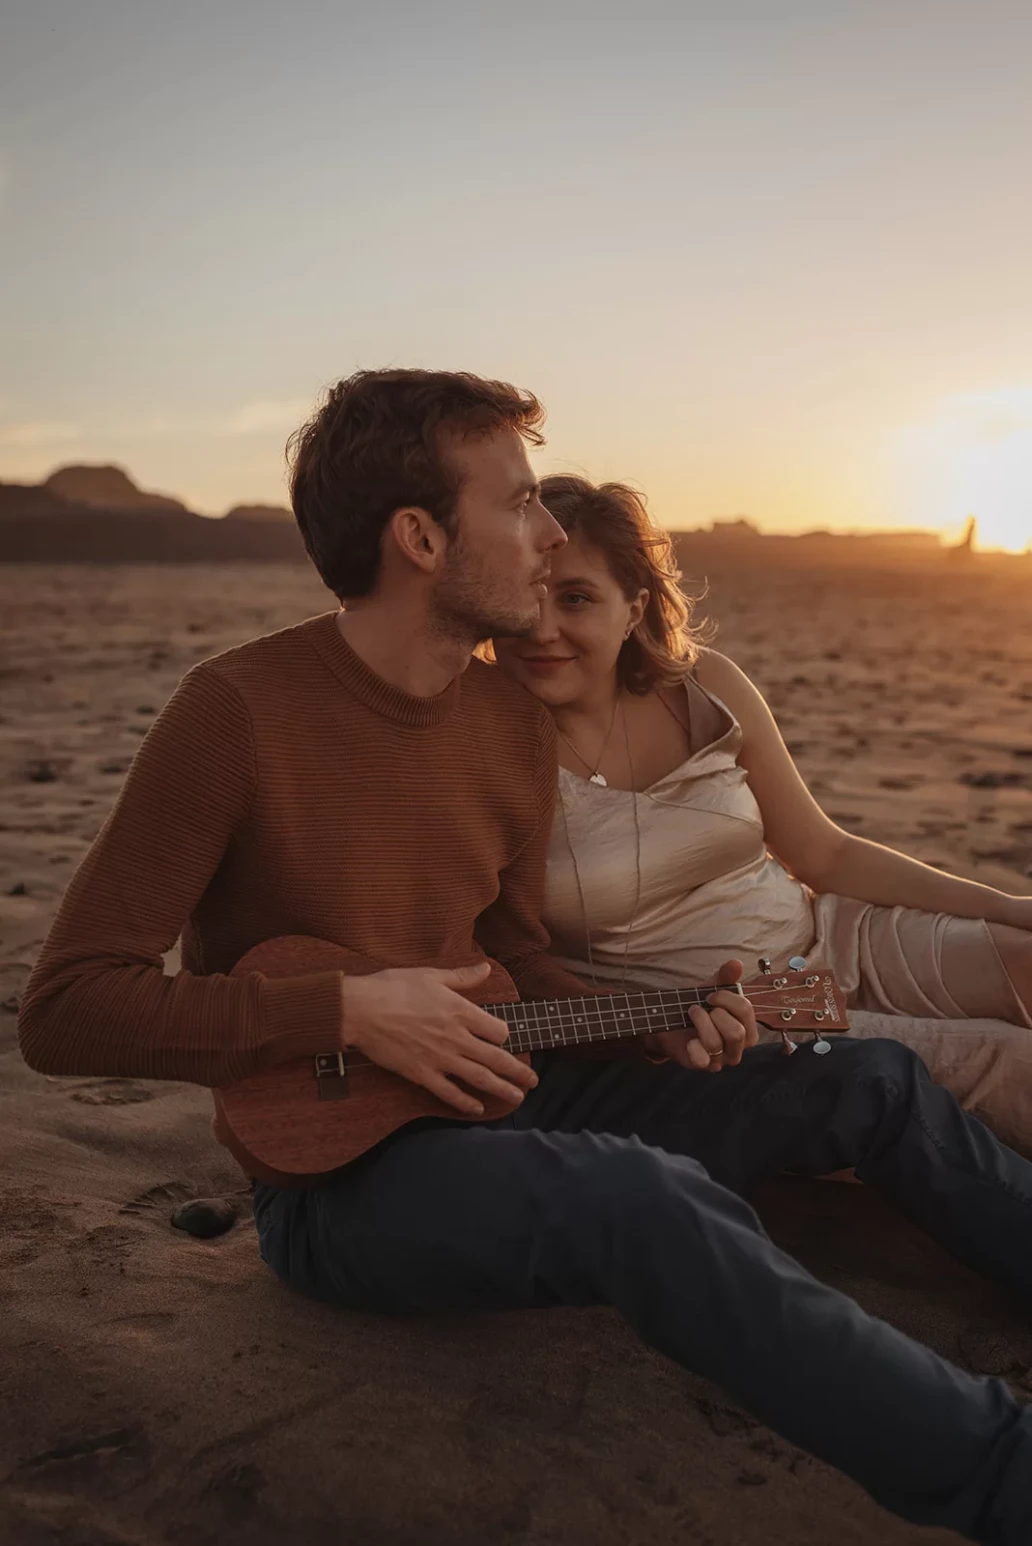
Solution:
(554, 1017)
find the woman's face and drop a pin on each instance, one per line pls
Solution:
(570, 656)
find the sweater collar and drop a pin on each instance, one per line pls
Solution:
(364, 684)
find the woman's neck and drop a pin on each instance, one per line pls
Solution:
(590, 714)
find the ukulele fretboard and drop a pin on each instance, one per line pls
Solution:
(564, 1022)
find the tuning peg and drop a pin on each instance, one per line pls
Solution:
(765, 965)
(797, 964)
(820, 1045)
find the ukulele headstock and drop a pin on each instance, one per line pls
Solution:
(798, 1001)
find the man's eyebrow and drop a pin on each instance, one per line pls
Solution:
(526, 489)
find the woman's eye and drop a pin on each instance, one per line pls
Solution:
(574, 596)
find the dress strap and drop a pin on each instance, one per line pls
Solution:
(686, 723)
(693, 722)
(712, 702)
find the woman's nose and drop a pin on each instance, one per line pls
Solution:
(546, 629)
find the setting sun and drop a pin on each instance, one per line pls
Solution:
(974, 457)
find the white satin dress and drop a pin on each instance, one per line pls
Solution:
(710, 891)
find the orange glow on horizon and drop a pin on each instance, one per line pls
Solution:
(972, 458)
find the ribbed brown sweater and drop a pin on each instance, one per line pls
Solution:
(287, 789)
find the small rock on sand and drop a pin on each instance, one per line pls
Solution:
(205, 1217)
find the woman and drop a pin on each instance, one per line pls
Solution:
(684, 833)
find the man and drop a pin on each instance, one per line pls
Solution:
(358, 779)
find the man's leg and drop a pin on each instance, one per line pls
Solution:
(492, 1218)
(866, 1104)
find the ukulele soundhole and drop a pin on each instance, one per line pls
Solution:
(331, 1075)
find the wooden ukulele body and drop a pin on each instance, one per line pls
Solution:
(291, 1124)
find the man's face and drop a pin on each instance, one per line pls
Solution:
(499, 555)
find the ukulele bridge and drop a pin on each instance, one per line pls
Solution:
(331, 1074)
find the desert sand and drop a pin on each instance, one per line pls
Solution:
(160, 1388)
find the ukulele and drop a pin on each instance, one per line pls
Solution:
(311, 1115)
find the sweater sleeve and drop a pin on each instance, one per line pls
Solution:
(98, 1002)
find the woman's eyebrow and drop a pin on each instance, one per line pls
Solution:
(574, 580)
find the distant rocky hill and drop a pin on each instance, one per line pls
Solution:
(106, 488)
(24, 499)
(727, 543)
(259, 513)
(99, 515)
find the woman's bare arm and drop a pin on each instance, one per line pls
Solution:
(813, 847)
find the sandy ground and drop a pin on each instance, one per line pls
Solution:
(158, 1388)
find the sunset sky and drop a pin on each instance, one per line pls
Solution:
(762, 257)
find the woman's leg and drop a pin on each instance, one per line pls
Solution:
(944, 987)
(985, 1064)
(473, 1218)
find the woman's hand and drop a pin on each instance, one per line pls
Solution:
(719, 1034)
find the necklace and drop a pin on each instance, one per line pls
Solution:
(597, 777)
(637, 864)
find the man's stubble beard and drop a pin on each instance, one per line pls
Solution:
(468, 608)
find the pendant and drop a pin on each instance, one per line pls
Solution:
(599, 778)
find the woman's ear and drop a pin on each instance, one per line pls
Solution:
(637, 611)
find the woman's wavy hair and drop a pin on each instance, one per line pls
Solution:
(614, 519)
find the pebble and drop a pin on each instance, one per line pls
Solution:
(205, 1217)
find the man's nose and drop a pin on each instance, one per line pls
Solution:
(553, 535)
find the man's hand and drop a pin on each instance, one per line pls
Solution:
(413, 1021)
(719, 1034)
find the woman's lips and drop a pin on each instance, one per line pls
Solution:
(542, 666)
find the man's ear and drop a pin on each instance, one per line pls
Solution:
(417, 538)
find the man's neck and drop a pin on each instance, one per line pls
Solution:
(402, 648)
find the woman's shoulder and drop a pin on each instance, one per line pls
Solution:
(719, 675)
(713, 670)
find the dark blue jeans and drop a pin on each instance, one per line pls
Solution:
(621, 1183)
